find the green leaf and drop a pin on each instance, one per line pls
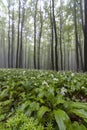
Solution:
(61, 118)
(42, 111)
(79, 105)
(76, 126)
(79, 112)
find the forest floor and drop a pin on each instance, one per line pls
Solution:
(42, 100)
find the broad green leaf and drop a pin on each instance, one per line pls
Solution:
(42, 111)
(79, 112)
(61, 118)
(79, 105)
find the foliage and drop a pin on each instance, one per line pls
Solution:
(21, 122)
(44, 100)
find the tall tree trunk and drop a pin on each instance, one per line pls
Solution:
(80, 51)
(76, 37)
(81, 14)
(18, 40)
(68, 52)
(61, 55)
(39, 41)
(64, 61)
(85, 37)
(9, 35)
(21, 39)
(12, 46)
(25, 53)
(79, 37)
(35, 34)
(56, 38)
(52, 39)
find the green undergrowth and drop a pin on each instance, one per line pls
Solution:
(42, 100)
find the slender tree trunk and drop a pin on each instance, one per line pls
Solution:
(81, 14)
(21, 40)
(64, 54)
(76, 37)
(9, 35)
(82, 23)
(12, 46)
(56, 38)
(18, 40)
(68, 52)
(61, 55)
(85, 37)
(39, 41)
(35, 34)
(52, 39)
(25, 54)
(80, 51)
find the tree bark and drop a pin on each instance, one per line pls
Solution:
(61, 55)
(85, 37)
(18, 40)
(81, 14)
(76, 37)
(12, 46)
(56, 38)
(21, 39)
(52, 39)
(35, 34)
(9, 49)
(39, 41)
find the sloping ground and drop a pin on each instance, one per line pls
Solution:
(42, 100)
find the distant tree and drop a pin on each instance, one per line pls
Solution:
(39, 38)
(76, 36)
(13, 36)
(61, 53)
(21, 37)
(85, 37)
(81, 14)
(18, 37)
(52, 37)
(35, 13)
(56, 38)
(9, 40)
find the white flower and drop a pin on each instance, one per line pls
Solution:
(63, 91)
(45, 83)
(83, 87)
(55, 79)
(72, 74)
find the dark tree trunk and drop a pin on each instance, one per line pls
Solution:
(52, 39)
(26, 48)
(85, 37)
(39, 40)
(68, 52)
(9, 49)
(81, 14)
(80, 51)
(61, 55)
(76, 37)
(18, 40)
(21, 39)
(12, 46)
(64, 54)
(56, 38)
(35, 34)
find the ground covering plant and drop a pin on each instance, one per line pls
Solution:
(42, 100)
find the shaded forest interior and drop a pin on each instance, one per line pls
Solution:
(43, 34)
